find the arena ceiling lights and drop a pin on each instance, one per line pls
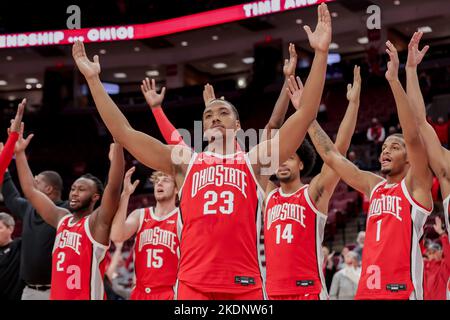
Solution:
(154, 29)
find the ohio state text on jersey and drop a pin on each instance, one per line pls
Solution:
(220, 208)
(78, 264)
(293, 236)
(392, 264)
(156, 250)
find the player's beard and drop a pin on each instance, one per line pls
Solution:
(386, 171)
(286, 178)
(84, 205)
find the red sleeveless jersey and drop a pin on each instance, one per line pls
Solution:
(220, 208)
(447, 223)
(78, 264)
(156, 250)
(293, 235)
(392, 264)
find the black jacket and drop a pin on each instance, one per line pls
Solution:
(37, 236)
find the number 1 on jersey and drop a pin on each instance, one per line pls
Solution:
(378, 230)
(287, 233)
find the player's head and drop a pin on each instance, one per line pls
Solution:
(85, 192)
(434, 251)
(393, 157)
(300, 162)
(50, 183)
(351, 259)
(220, 120)
(164, 187)
(6, 228)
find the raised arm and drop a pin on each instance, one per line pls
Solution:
(322, 186)
(279, 111)
(7, 151)
(419, 177)
(124, 228)
(154, 100)
(144, 148)
(438, 156)
(290, 136)
(102, 218)
(43, 205)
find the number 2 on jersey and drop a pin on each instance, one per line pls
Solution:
(287, 233)
(212, 198)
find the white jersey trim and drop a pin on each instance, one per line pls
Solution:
(271, 193)
(287, 195)
(312, 206)
(413, 203)
(91, 238)
(141, 218)
(191, 163)
(62, 220)
(168, 215)
(446, 203)
(250, 168)
(375, 188)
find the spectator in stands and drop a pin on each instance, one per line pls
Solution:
(11, 286)
(345, 281)
(329, 269)
(392, 130)
(437, 265)
(360, 244)
(115, 277)
(376, 132)
(341, 262)
(357, 161)
(37, 236)
(442, 129)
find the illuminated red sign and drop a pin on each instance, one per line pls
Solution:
(154, 29)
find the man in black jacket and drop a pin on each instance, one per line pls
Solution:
(10, 284)
(37, 236)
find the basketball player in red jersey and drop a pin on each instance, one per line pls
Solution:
(392, 265)
(220, 190)
(82, 235)
(438, 156)
(157, 230)
(296, 213)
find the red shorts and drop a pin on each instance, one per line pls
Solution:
(155, 293)
(186, 292)
(295, 297)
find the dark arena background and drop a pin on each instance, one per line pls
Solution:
(239, 48)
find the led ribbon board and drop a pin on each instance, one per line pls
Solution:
(154, 29)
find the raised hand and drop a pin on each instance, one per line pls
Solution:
(320, 39)
(291, 64)
(393, 64)
(438, 226)
(128, 187)
(22, 143)
(295, 90)
(353, 91)
(88, 68)
(153, 98)
(415, 55)
(15, 123)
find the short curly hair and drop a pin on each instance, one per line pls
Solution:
(307, 155)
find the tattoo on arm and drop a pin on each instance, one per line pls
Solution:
(322, 138)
